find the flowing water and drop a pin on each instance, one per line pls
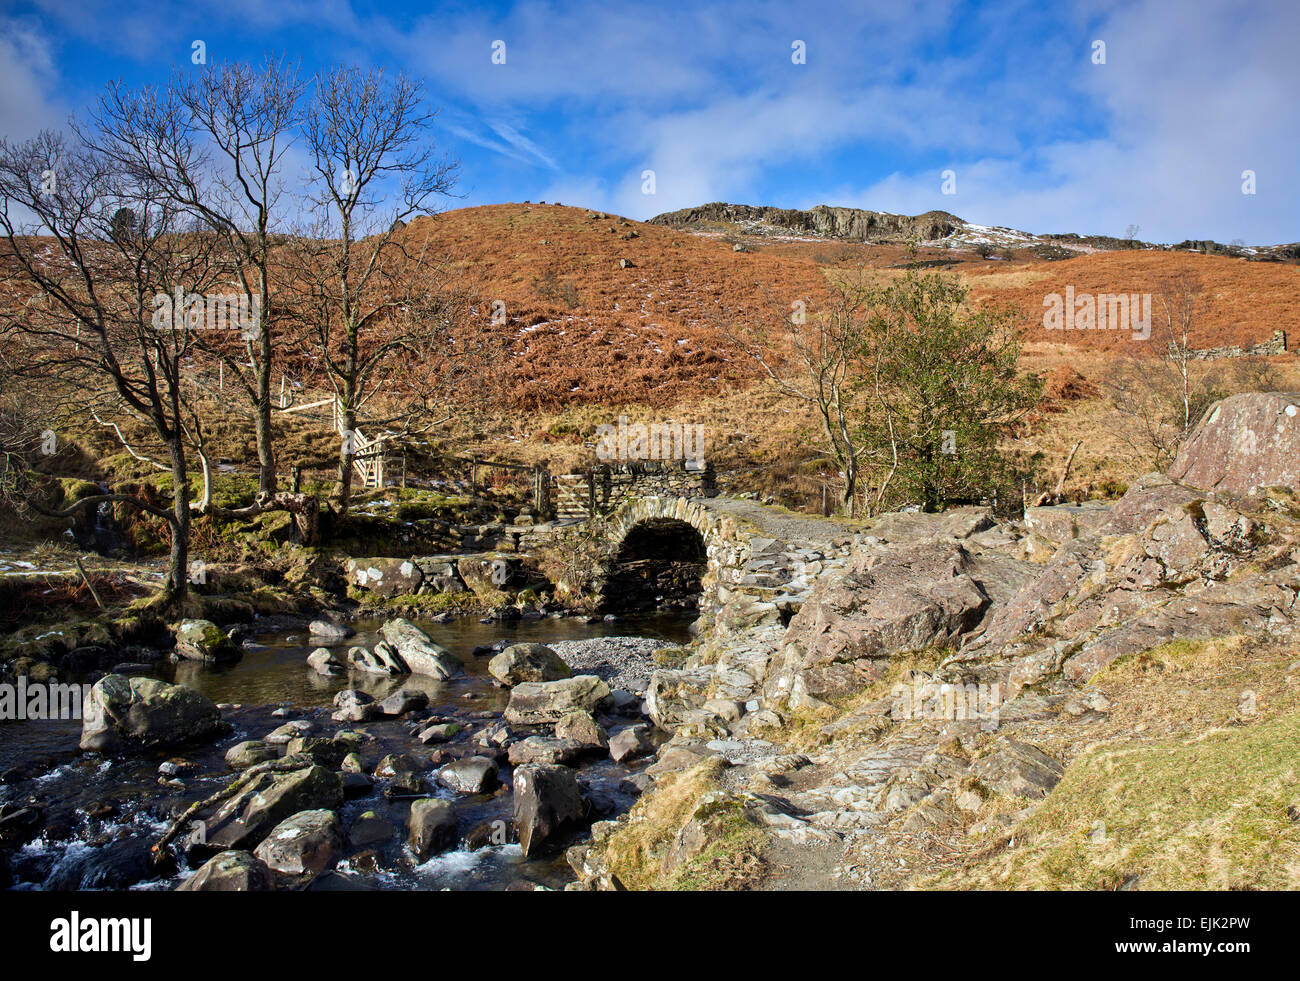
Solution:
(101, 815)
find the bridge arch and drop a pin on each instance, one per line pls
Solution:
(664, 552)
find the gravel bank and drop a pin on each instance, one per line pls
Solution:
(623, 662)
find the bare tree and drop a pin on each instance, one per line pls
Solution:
(820, 359)
(370, 295)
(1161, 396)
(81, 310)
(215, 143)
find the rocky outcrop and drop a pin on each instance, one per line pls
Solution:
(124, 714)
(889, 600)
(825, 221)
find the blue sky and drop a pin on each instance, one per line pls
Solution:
(1005, 95)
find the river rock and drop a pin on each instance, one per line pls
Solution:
(288, 732)
(382, 660)
(439, 732)
(230, 871)
(309, 841)
(547, 702)
(421, 655)
(548, 802)
(136, 713)
(370, 829)
(322, 750)
(203, 640)
(527, 662)
(326, 662)
(328, 630)
(544, 749)
(352, 705)
(402, 701)
(472, 775)
(431, 827)
(630, 743)
(243, 821)
(581, 727)
(249, 753)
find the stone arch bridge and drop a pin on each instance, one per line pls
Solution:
(683, 552)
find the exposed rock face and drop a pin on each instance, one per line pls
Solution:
(547, 702)
(1244, 443)
(230, 871)
(830, 222)
(1065, 522)
(1015, 769)
(309, 841)
(420, 654)
(124, 714)
(203, 640)
(527, 662)
(888, 601)
(547, 802)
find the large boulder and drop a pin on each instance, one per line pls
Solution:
(548, 802)
(889, 600)
(309, 841)
(420, 653)
(1243, 443)
(385, 577)
(122, 714)
(203, 640)
(246, 819)
(230, 871)
(519, 663)
(431, 827)
(472, 775)
(547, 702)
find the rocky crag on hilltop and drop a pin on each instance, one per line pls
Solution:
(1094, 696)
(823, 220)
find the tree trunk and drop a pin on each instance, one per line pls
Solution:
(177, 583)
(266, 482)
(347, 453)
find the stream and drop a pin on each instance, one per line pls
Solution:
(102, 814)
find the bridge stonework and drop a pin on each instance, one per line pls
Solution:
(726, 544)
